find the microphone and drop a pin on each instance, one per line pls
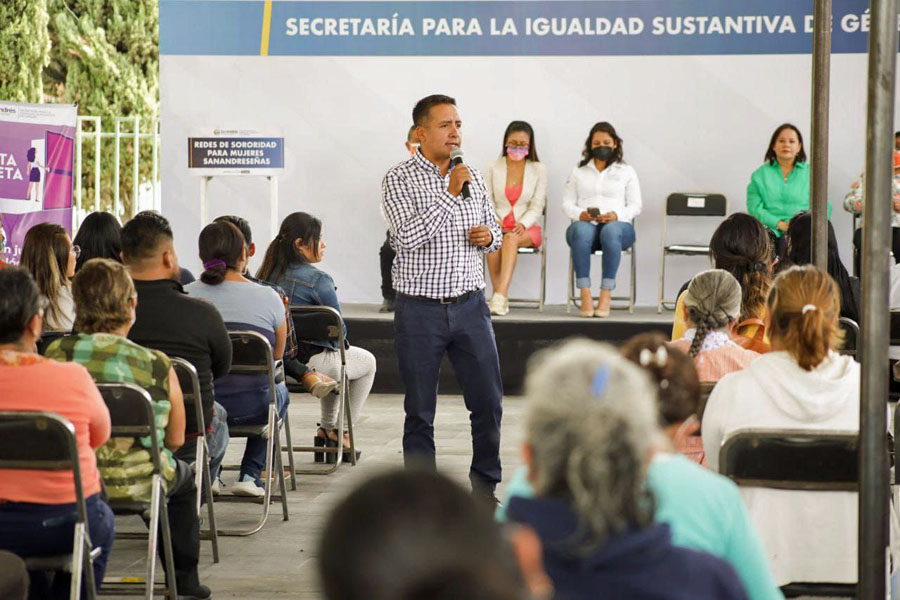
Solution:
(456, 158)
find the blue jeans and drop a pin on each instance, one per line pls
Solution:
(255, 451)
(29, 529)
(424, 332)
(584, 238)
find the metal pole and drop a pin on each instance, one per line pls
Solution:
(821, 87)
(874, 492)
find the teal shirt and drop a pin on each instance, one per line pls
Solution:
(771, 199)
(705, 512)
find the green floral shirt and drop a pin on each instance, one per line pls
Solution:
(125, 463)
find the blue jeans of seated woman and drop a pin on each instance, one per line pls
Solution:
(255, 452)
(29, 529)
(584, 238)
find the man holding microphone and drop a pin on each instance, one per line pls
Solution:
(441, 222)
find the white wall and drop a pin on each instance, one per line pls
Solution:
(688, 124)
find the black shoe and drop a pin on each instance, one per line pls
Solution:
(487, 496)
(387, 305)
(201, 592)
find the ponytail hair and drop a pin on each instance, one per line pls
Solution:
(805, 304)
(673, 372)
(221, 246)
(283, 252)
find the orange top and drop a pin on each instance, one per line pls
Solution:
(714, 364)
(513, 193)
(32, 382)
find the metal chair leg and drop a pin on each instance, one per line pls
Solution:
(210, 510)
(78, 561)
(153, 535)
(275, 448)
(168, 556)
(633, 280)
(289, 447)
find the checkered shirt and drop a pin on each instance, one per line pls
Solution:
(430, 230)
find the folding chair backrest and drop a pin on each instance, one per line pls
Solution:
(251, 353)
(47, 337)
(792, 459)
(190, 390)
(131, 413)
(851, 336)
(37, 440)
(688, 204)
(314, 323)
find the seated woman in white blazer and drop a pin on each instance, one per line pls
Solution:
(517, 183)
(602, 197)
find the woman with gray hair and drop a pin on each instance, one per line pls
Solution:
(591, 429)
(712, 305)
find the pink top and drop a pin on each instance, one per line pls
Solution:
(715, 363)
(32, 382)
(513, 193)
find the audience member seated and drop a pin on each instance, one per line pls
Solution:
(386, 253)
(243, 305)
(704, 510)
(289, 264)
(517, 184)
(802, 384)
(37, 507)
(779, 189)
(853, 203)
(99, 236)
(317, 384)
(166, 319)
(50, 257)
(602, 197)
(592, 425)
(741, 246)
(105, 301)
(799, 252)
(416, 535)
(712, 305)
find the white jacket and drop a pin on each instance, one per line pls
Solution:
(808, 536)
(530, 205)
(616, 188)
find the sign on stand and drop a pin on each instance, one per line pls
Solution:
(241, 153)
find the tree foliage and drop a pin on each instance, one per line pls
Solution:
(24, 49)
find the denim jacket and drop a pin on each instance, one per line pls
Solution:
(306, 285)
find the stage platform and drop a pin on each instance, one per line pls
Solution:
(519, 334)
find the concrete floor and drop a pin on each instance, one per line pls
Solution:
(279, 561)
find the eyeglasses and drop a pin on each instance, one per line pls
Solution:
(76, 250)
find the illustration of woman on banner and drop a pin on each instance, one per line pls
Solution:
(34, 175)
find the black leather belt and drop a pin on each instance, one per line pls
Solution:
(451, 300)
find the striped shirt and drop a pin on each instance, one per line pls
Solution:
(429, 230)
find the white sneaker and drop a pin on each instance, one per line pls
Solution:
(499, 305)
(217, 487)
(247, 488)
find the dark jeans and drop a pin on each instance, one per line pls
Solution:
(255, 451)
(857, 247)
(29, 529)
(424, 331)
(387, 255)
(185, 527)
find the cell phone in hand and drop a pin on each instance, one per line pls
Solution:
(594, 212)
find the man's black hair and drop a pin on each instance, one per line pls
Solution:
(19, 302)
(423, 107)
(142, 235)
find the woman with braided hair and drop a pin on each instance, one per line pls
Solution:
(712, 306)
(741, 246)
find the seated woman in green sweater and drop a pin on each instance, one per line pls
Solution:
(779, 189)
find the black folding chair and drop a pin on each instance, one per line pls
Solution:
(131, 415)
(784, 459)
(682, 205)
(317, 323)
(45, 441)
(851, 337)
(48, 337)
(190, 390)
(252, 355)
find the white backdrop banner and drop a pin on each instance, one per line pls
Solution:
(695, 89)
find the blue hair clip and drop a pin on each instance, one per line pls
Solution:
(601, 378)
